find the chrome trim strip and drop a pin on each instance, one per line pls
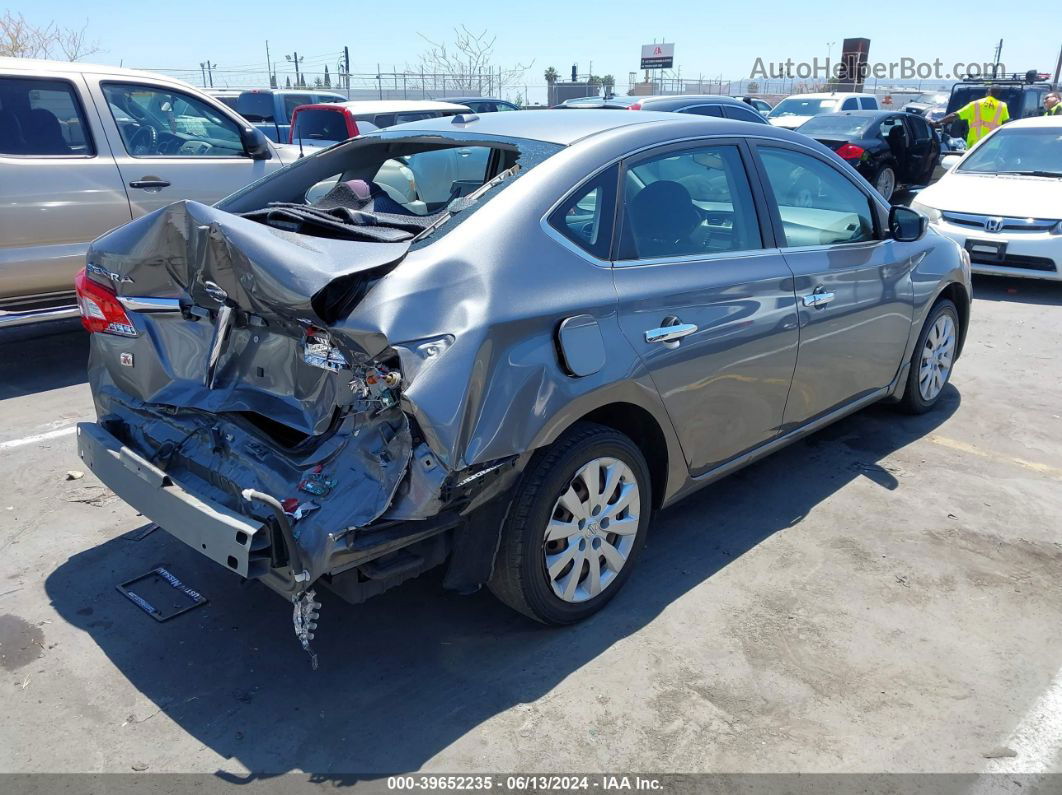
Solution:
(149, 303)
(12, 319)
(1008, 222)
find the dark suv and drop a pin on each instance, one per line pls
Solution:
(1024, 95)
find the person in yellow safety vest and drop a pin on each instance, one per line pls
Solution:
(1053, 104)
(981, 116)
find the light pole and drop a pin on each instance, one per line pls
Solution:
(294, 58)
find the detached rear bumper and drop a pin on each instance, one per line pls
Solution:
(237, 542)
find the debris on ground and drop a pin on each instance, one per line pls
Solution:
(96, 496)
(75, 474)
(160, 594)
(1000, 753)
(140, 533)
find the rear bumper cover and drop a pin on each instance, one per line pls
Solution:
(231, 539)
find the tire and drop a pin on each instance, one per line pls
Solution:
(885, 182)
(521, 578)
(916, 398)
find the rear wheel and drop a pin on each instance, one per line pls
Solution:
(577, 523)
(933, 358)
(885, 182)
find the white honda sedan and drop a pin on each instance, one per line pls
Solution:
(1002, 201)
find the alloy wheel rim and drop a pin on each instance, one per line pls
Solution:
(938, 354)
(886, 183)
(591, 531)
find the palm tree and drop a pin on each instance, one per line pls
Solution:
(551, 75)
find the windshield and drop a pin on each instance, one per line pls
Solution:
(1029, 150)
(830, 125)
(795, 106)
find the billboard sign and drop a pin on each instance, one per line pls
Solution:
(658, 56)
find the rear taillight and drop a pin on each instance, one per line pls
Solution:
(100, 310)
(851, 152)
(635, 106)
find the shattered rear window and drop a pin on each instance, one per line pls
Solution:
(388, 187)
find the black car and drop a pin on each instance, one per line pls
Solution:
(702, 105)
(891, 150)
(482, 104)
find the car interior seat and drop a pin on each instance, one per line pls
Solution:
(898, 142)
(663, 219)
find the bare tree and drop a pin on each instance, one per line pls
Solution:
(467, 65)
(21, 39)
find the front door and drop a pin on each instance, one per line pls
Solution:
(172, 146)
(853, 284)
(704, 298)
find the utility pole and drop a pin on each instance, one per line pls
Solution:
(999, 53)
(207, 66)
(1058, 68)
(202, 70)
(346, 69)
(269, 68)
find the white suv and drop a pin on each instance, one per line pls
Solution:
(1002, 201)
(793, 111)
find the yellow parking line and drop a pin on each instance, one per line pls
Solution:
(955, 444)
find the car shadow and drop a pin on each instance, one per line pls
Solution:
(1018, 291)
(410, 672)
(40, 358)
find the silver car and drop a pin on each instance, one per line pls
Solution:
(620, 309)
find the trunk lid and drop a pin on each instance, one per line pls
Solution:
(243, 299)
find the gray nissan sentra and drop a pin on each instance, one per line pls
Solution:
(498, 344)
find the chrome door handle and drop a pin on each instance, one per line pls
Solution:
(148, 184)
(670, 333)
(818, 299)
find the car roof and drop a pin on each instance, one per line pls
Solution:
(283, 91)
(830, 95)
(463, 100)
(869, 114)
(552, 126)
(689, 98)
(40, 65)
(399, 105)
(1034, 121)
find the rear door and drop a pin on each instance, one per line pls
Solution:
(59, 184)
(705, 298)
(853, 283)
(171, 145)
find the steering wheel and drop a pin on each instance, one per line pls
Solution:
(145, 141)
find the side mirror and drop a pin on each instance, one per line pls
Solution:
(948, 162)
(255, 144)
(906, 225)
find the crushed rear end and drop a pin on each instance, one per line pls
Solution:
(244, 407)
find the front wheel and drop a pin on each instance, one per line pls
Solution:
(576, 524)
(933, 358)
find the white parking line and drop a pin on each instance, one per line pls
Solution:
(39, 437)
(1035, 741)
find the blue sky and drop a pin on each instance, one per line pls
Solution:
(721, 39)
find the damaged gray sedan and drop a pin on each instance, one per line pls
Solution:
(498, 344)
